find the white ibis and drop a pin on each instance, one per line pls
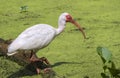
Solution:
(39, 36)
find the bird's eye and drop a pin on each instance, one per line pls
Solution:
(68, 18)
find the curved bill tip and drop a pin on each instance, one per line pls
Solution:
(79, 27)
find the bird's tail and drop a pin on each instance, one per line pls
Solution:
(11, 53)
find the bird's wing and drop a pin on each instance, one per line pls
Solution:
(34, 37)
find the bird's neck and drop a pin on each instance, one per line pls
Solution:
(61, 26)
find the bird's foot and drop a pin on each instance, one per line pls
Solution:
(34, 58)
(47, 70)
(38, 70)
(41, 63)
(43, 59)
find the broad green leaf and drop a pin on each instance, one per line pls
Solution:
(105, 54)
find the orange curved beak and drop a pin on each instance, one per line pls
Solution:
(79, 27)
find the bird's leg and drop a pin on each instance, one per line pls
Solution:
(48, 69)
(33, 57)
(36, 67)
(33, 60)
(43, 59)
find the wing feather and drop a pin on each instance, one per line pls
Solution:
(35, 37)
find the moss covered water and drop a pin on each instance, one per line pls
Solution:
(70, 55)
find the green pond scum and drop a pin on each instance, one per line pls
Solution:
(70, 55)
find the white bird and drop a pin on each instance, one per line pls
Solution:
(39, 36)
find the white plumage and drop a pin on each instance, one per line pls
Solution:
(35, 37)
(40, 35)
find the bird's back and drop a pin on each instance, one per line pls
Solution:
(35, 37)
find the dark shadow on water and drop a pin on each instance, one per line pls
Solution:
(26, 72)
(29, 70)
(61, 63)
(21, 73)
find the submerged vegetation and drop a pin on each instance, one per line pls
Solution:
(23, 8)
(70, 55)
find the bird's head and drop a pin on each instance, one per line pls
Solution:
(66, 17)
